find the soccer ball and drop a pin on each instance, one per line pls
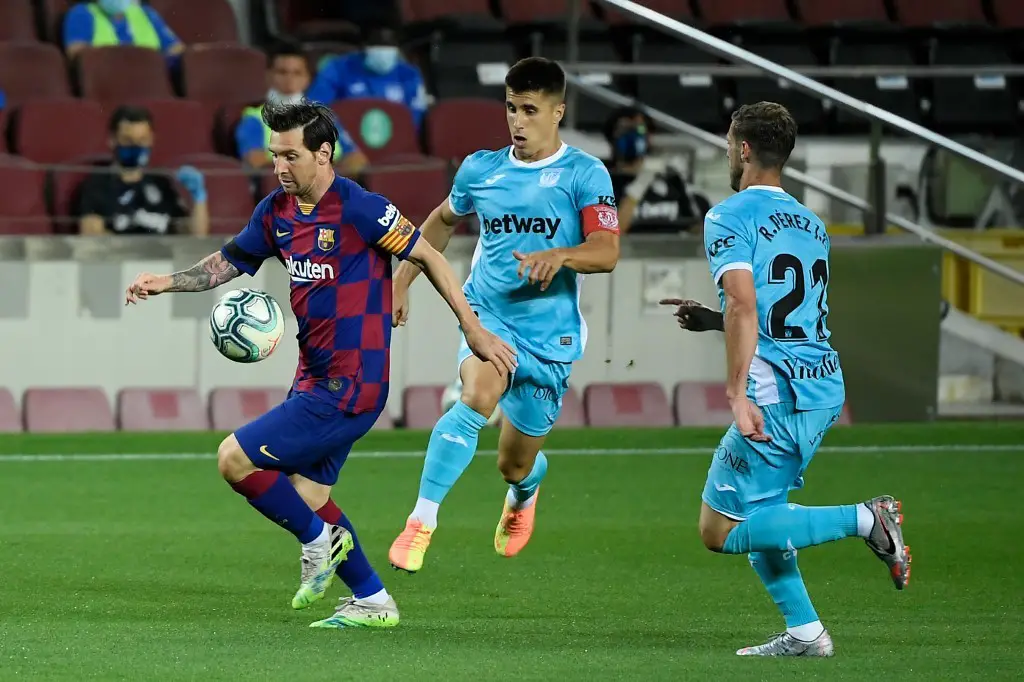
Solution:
(454, 391)
(246, 325)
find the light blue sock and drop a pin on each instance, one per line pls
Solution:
(450, 450)
(523, 490)
(791, 526)
(780, 575)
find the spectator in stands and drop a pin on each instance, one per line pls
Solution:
(378, 70)
(118, 22)
(288, 76)
(132, 201)
(652, 197)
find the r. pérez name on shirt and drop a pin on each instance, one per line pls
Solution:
(793, 221)
(510, 223)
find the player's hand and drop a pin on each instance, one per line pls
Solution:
(693, 315)
(491, 348)
(399, 305)
(540, 267)
(146, 285)
(749, 420)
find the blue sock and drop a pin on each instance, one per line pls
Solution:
(355, 571)
(791, 526)
(780, 574)
(523, 490)
(450, 450)
(274, 496)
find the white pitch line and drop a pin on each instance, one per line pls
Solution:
(400, 454)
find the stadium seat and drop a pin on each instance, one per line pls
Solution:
(640, 404)
(573, 416)
(17, 21)
(32, 71)
(385, 422)
(839, 13)
(699, 403)
(64, 186)
(733, 14)
(470, 68)
(314, 19)
(453, 19)
(967, 105)
(458, 127)
(22, 198)
(199, 21)
(143, 409)
(539, 13)
(807, 110)
(1008, 13)
(416, 191)
(54, 131)
(231, 408)
(67, 410)
(180, 127)
(53, 12)
(591, 113)
(10, 419)
(940, 13)
(380, 128)
(421, 406)
(694, 98)
(229, 189)
(899, 95)
(121, 73)
(227, 74)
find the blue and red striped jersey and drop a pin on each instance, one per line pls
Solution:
(338, 255)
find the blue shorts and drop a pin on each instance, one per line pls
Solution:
(304, 435)
(746, 476)
(533, 399)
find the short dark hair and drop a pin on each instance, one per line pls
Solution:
(536, 74)
(129, 114)
(769, 129)
(285, 48)
(316, 120)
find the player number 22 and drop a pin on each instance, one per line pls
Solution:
(781, 309)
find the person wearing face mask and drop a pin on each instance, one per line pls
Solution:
(131, 200)
(377, 71)
(118, 22)
(288, 77)
(652, 197)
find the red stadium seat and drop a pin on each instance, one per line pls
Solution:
(180, 127)
(641, 404)
(67, 410)
(421, 406)
(430, 10)
(17, 21)
(199, 21)
(701, 404)
(818, 13)
(65, 183)
(1008, 13)
(10, 419)
(391, 121)
(53, 18)
(231, 408)
(227, 74)
(122, 73)
(719, 12)
(530, 11)
(573, 415)
(31, 71)
(55, 131)
(22, 198)
(924, 13)
(416, 190)
(384, 422)
(460, 126)
(176, 409)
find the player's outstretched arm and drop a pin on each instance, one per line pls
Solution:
(437, 230)
(694, 316)
(740, 346)
(485, 345)
(208, 273)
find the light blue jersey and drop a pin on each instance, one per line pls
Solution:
(529, 207)
(784, 244)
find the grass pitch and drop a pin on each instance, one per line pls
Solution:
(126, 558)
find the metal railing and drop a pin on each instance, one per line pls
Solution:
(762, 66)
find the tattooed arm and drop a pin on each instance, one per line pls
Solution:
(208, 273)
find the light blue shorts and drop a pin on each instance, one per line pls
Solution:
(746, 476)
(533, 399)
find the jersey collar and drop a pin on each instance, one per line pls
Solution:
(770, 188)
(536, 164)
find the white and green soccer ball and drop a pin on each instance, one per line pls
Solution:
(454, 391)
(246, 325)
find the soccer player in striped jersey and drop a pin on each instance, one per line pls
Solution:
(336, 241)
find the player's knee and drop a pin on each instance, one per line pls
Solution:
(482, 394)
(513, 471)
(712, 536)
(232, 461)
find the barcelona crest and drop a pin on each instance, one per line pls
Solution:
(325, 239)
